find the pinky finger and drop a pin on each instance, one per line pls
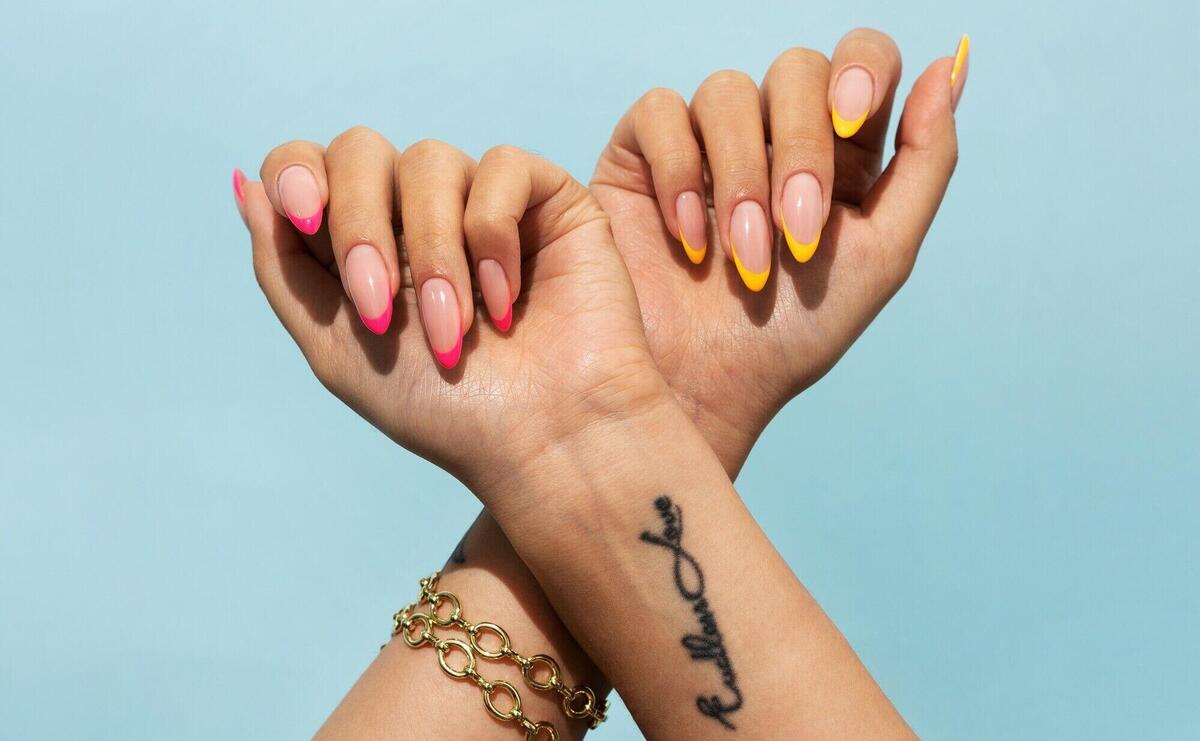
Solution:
(659, 128)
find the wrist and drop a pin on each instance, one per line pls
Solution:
(564, 500)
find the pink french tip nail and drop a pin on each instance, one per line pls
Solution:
(379, 324)
(449, 359)
(442, 319)
(369, 287)
(239, 178)
(493, 284)
(504, 322)
(308, 225)
(301, 198)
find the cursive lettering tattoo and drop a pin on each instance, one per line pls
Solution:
(708, 644)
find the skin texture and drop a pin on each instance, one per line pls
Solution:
(591, 406)
(731, 358)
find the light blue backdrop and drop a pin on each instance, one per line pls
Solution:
(994, 494)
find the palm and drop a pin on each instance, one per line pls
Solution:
(733, 357)
(577, 341)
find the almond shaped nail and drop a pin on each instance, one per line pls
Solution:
(442, 320)
(493, 284)
(301, 198)
(369, 287)
(750, 243)
(693, 231)
(852, 97)
(958, 73)
(803, 211)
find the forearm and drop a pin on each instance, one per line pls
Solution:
(651, 559)
(404, 693)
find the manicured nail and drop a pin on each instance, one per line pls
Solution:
(750, 241)
(693, 233)
(301, 198)
(958, 74)
(369, 287)
(802, 212)
(493, 284)
(239, 193)
(852, 97)
(443, 324)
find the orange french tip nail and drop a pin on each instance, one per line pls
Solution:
(960, 58)
(695, 255)
(753, 281)
(846, 128)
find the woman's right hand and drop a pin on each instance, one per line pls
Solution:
(751, 324)
(573, 352)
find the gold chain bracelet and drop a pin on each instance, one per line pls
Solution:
(577, 702)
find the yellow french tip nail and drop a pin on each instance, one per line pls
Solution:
(753, 281)
(802, 252)
(844, 128)
(695, 255)
(960, 58)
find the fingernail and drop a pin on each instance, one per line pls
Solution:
(852, 96)
(443, 324)
(958, 74)
(689, 212)
(369, 287)
(239, 193)
(493, 284)
(750, 241)
(802, 212)
(301, 198)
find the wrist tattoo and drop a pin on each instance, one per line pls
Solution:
(708, 644)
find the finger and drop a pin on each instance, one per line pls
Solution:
(862, 89)
(293, 175)
(298, 288)
(518, 204)
(433, 178)
(658, 129)
(801, 147)
(728, 113)
(359, 164)
(903, 202)
(522, 202)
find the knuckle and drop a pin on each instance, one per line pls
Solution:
(487, 226)
(432, 240)
(661, 99)
(428, 150)
(727, 81)
(799, 56)
(356, 220)
(677, 161)
(741, 172)
(877, 39)
(355, 137)
(504, 153)
(803, 142)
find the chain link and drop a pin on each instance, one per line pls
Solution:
(577, 702)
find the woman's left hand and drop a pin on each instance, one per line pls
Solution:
(575, 351)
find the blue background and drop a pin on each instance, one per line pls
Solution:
(994, 494)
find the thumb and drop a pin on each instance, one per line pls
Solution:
(902, 204)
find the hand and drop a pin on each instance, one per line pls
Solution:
(734, 357)
(574, 350)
